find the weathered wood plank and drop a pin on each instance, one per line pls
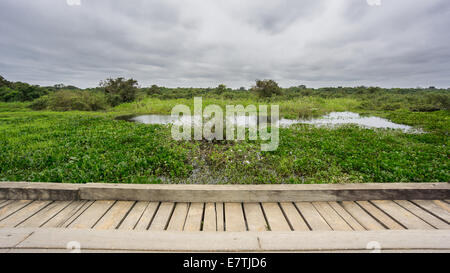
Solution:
(255, 217)
(220, 217)
(264, 193)
(422, 214)
(161, 219)
(209, 221)
(275, 217)
(23, 214)
(403, 240)
(442, 204)
(378, 214)
(133, 216)
(367, 221)
(6, 203)
(147, 216)
(234, 217)
(293, 216)
(115, 215)
(68, 214)
(435, 207)
(45, 214)
(92, 214)
(312, 216)
(406, 218)
(331, 217)
(194, 217)
(346, 216)
(178, 217)
(12, 208)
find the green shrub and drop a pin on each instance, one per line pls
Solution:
(41, 103)
(267, 88)
(66, 100)
(119, 90)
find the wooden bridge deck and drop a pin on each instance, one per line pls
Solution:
(227, 217)
(393, 217)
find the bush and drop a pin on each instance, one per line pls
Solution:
(119, 90)
(41, 103)
(19, 91)
(66, 100)
(8, 95)
(267, 88)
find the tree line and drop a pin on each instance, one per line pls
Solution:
(112, 92)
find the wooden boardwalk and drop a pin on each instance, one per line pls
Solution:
(373, 215)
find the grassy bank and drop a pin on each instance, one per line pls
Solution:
(83, 147)
(298, 108)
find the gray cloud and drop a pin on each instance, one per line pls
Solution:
(204, 43)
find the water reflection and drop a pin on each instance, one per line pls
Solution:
(329, 120)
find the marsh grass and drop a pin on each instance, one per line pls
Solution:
(299, 108)
(80, 147)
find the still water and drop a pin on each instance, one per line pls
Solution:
(330, 120)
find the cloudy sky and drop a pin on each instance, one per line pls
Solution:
(403, 43)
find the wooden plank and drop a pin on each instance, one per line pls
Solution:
(264, 193)
(312, 216)
(406, 218)
(91, 215)
(12, 208)
(68, 214)
(115, 215)
(331, 217)
(6, 203)
(209, 221)
(220, 217)
(422, 214)
(293, 216)
(147, 216)
(442, 204)
(45, 214)
(346, 216)
(162, 217)
(275, 217)
(133, 216)
(109, 240)
(234, 217)
(367, 221)
(435, 207)
(194, 217)
(378, 214)
(255, 217)
(178, 217)
(23, 214)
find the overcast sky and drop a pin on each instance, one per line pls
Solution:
(402, 43)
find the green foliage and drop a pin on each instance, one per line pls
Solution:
(14, 92)
(93, 147)
(67, 100)
(267, 88)
(9, 95)
(119, 90)
(221, 88)
(153, 90)
(79, 148)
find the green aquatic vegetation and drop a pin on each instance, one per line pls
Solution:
(75, 147)
(80, 147)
